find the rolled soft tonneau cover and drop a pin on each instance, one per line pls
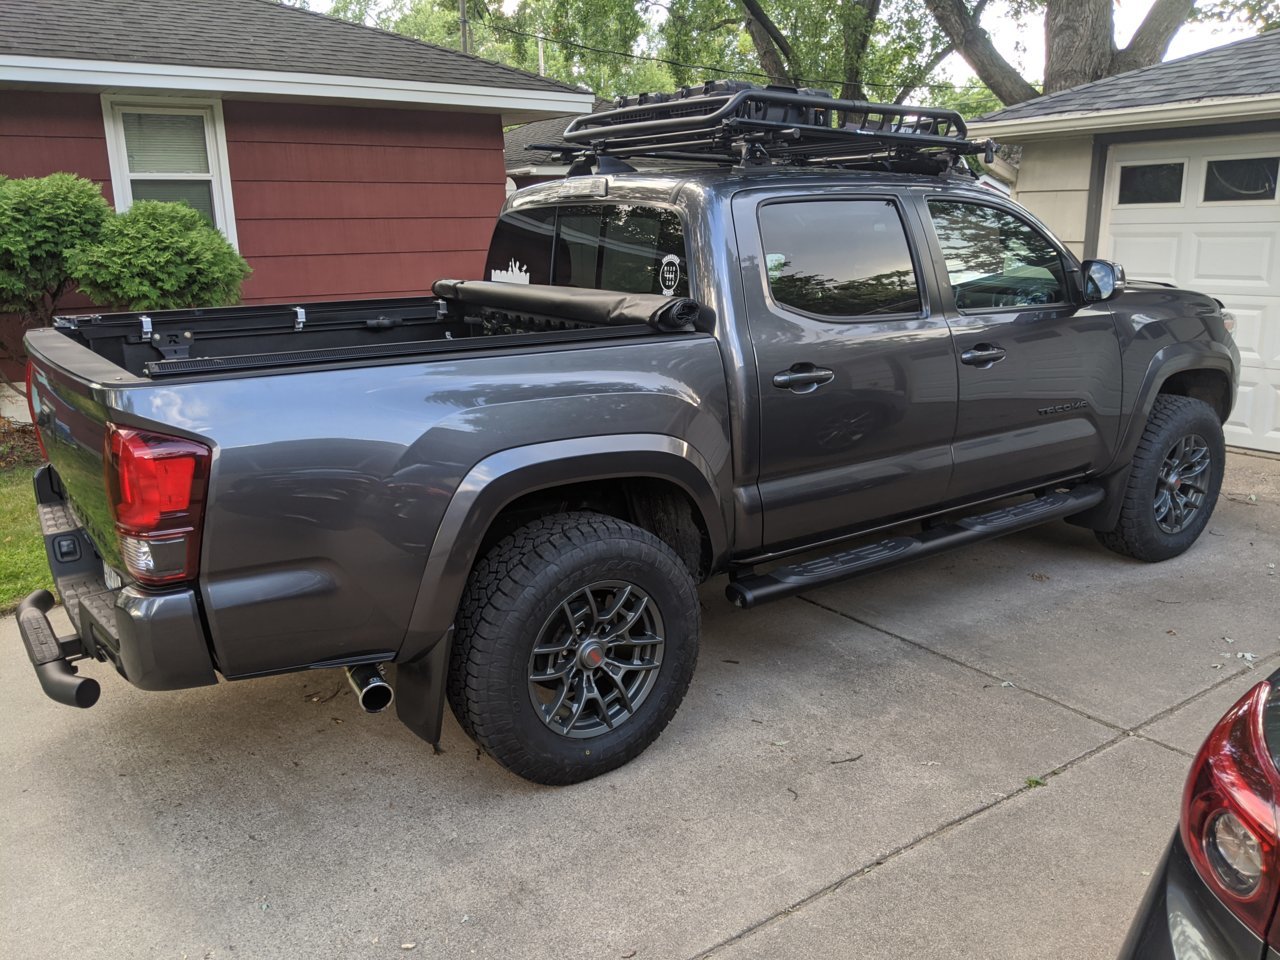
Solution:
(601, 307)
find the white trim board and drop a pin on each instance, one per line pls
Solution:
(515, 104)
(1155, 116)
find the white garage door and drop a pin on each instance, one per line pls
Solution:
(1204, 214)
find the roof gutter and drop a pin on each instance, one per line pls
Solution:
(516, 104)
(1054, 126)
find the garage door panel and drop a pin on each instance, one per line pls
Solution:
(1147, 254)
(1243, 257)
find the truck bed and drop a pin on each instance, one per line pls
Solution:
(172, 343)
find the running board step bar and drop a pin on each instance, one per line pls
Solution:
(749, 590)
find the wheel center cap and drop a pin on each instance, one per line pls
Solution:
(591, 654)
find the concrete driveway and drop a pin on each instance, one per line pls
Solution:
(847, 778)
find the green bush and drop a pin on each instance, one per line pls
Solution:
(41, 221)
(159, 256)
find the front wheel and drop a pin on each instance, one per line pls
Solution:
(576, 641)
(1174, 483)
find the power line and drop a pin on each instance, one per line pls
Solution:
(699, 66)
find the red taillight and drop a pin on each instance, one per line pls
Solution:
(157, 486)
(1229, 824)
(33, 404)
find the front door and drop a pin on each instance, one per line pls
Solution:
(856, 376)
(1040, 377)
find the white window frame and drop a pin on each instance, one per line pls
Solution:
(215, 134)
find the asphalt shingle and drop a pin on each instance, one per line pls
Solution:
(1246, 68)
(240, 34)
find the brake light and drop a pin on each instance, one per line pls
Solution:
(1229, 825)
(157, 488)
(33, 405)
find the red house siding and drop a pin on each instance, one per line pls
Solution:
(331, 202)
(336, 202)
(44, 133)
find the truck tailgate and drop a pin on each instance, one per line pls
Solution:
(72, 423)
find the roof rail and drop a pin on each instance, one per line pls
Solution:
(745, 124)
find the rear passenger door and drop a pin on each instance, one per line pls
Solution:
(856, 376)
(1039, 369)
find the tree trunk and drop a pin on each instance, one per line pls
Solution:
(770, 59)
(1151, 41)
(857, 22)
(975, 46)
(1079, 42)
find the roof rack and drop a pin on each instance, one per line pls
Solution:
(748, 125)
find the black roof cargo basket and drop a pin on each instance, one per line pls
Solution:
(732, 122)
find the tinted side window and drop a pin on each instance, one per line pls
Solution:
(520, 251)
(635, 249)
(995, 259)
(839, 258)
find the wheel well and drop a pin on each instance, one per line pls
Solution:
(659, 506)
(1211, 386)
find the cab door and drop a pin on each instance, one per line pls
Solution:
(1039, 369)
(856, 376)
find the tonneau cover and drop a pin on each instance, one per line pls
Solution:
(600, 307)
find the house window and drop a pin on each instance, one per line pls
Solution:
(1150, 183)
(1251, 179)
(173, 151)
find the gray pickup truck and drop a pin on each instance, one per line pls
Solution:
(816, 352)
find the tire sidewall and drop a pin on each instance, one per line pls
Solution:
(1187, 419)
(670, 589)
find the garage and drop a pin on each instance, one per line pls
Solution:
(1205, 214)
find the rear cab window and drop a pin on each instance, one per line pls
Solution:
(631, 248)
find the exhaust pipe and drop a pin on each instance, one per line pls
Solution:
(373, 692)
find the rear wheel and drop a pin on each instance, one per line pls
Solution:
(576, 642)
(1173, 486)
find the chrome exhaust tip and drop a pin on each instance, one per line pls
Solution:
(373, 692)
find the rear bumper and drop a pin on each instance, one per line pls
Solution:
(1180, 918)
(155, 638)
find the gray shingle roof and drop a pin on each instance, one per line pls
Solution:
(1245, 68)
(540, 131)
(243, 34)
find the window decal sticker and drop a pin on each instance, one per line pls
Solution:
(669, 274)
(516, 272)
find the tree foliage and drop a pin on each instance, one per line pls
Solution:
(159, 256)
(41, 221)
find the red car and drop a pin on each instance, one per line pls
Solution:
(1215, 894)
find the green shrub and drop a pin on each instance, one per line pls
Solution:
(41, 221)
(159, 256)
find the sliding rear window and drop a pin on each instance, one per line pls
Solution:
(626, 247)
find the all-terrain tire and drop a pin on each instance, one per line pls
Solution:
(1139, 532)
(514, 600)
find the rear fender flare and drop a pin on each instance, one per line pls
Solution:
(504, 477)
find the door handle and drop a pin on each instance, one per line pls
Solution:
(982, 355)
(803, 378)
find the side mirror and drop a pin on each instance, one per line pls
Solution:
(1102, 280)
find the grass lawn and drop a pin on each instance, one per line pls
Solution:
(22, 563)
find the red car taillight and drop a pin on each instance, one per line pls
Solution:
(1229, 824)
(33, 404)
(157, 487)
